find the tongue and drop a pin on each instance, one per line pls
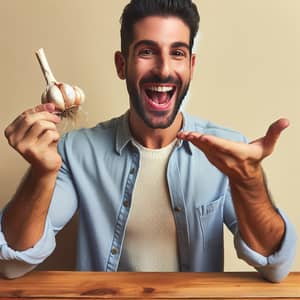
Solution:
(159, 97)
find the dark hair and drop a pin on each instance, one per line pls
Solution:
(136, 10)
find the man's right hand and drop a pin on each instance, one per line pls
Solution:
(34, 135)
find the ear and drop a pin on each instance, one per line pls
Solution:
(193, 63)
(120, 64)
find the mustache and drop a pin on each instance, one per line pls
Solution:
(158, 79)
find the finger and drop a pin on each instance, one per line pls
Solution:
(19, 130)
(223, 154)
(33, 133)
(193, 137)
(276, 129)
(39, 137)
(38, 128)
(213, 143)
(38, 151)
(48, 137)
(273, 134)
(50, 107)
(188, 135)
(16, 131)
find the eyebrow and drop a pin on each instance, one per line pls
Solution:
(154, 44)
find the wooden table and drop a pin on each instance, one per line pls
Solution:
(98, 285)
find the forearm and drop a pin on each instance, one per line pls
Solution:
(260, 225)
(25, 216)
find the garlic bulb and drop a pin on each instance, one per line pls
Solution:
(67, 98)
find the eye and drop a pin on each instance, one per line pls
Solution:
(146, 52)
(178, 53)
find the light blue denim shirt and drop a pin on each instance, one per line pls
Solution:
(97, 179)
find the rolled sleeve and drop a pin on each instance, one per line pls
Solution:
(35, 255)
(276, 266)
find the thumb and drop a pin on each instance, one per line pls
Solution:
(50, 107)
(274, 133)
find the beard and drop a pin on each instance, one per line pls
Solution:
(167, 118)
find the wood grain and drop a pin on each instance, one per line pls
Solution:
(121, 285)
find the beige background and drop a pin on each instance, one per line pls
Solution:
(247, 76)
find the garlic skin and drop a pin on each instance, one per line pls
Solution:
(52, 94)
(68, 94)
(64, 96)
(80, 97)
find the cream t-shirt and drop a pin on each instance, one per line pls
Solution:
(150, 242)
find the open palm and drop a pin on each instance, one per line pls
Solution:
(239, 161)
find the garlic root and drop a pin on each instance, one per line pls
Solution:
(66, 98)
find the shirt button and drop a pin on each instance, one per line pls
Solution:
(177, 208)
(126, 203)
(114, 251)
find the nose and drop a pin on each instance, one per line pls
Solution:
(163, 66)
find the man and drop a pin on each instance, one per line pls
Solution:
(154, 186)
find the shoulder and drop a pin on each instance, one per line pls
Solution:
(192, 123)
(100, 130)
(103, 133)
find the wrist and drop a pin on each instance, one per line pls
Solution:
(40, 174)
(252, 180)
(253, 192)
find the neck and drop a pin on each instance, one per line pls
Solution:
(154, 138)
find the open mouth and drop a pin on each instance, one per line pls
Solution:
(158, 96)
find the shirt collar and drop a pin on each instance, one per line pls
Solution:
(123, 134)
(186, 126)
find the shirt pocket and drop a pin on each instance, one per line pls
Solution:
(210, 218)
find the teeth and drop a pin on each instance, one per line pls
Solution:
(161, 89)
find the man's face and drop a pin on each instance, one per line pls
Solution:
(158, 69)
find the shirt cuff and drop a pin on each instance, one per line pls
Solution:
(35, 255)
(277, 265)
